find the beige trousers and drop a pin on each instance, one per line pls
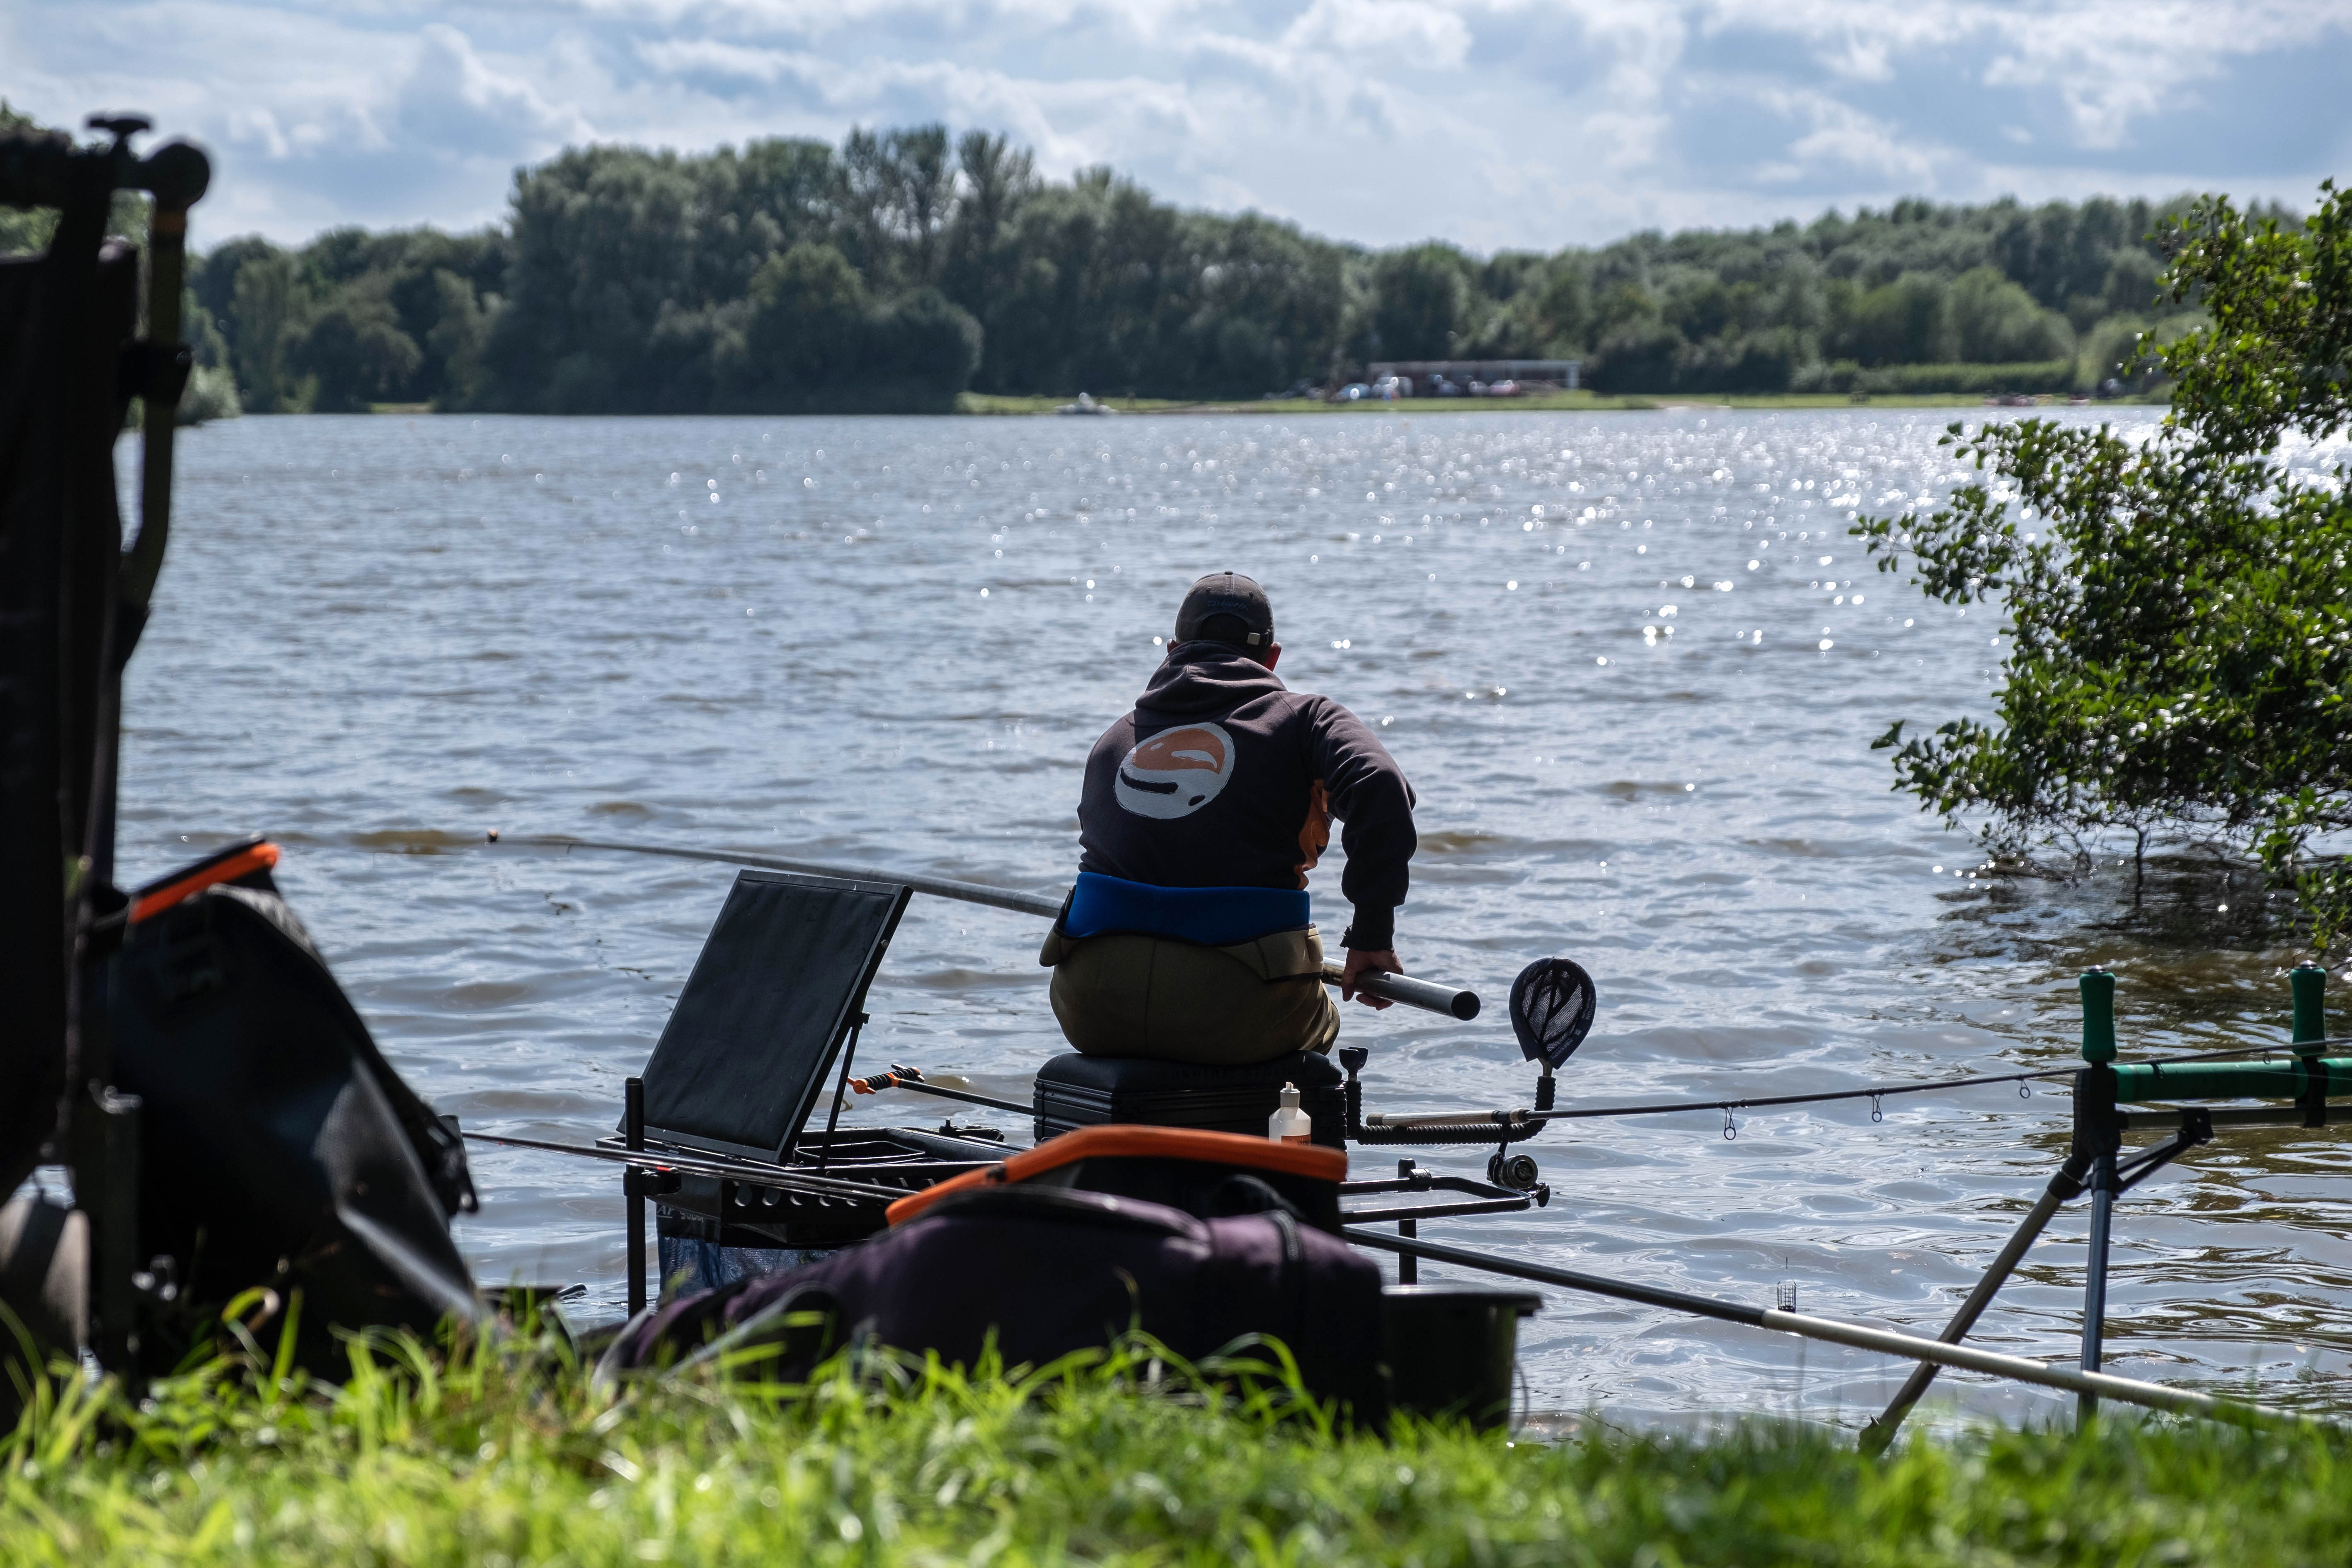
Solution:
(1128, 995)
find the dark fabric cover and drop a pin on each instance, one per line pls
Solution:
(64, 318)
(745, 1055)
(1213, 781)
(1052, 1271)
(1074, 1090)
(278, 1147)
(1202, 1189)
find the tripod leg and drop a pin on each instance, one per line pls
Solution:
(633, 1124)
(1408, 1266)
(2066, 1185)
(2095, 1285)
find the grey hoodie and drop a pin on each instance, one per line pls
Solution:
(1223, 777)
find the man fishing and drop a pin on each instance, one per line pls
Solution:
(1187, 935)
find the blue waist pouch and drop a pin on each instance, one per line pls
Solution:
(1213, 917)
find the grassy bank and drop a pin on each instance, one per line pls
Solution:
(507, 1461)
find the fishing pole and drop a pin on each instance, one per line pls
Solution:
(912, 1078)
(1447, 1118)
(1428, 996)
(743, 1172)
(2098, 1385)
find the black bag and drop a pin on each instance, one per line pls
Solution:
(1048, 1271)
(278, 1147)
(1074, 1090)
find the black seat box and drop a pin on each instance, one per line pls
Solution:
(1074, 1090)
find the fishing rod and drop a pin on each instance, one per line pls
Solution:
(1474, 1119)
(912, 1078)
(1428, 996)
(2096, 1384)
(743, 1172)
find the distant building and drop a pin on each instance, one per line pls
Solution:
(1560, 373)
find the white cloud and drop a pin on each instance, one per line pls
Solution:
(452, 100)
(1526, 122)
(1409, 34)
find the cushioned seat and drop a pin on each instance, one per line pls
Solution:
(1076, 1091)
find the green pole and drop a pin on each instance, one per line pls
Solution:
(2310, 983)
(2099, 1015)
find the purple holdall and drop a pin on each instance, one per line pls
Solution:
(1053, 1270)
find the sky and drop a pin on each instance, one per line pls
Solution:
(1492, 123)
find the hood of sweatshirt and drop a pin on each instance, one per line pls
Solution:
(1204, 677)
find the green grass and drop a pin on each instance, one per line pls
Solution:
(510, 1456)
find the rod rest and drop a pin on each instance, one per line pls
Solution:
(1502, 1133)
(46, 169)
(2305, 1078)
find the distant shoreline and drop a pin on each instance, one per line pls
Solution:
(988, 406)
(1545, 403)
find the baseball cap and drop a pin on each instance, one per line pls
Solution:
(1226, 594)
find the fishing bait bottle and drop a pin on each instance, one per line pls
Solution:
(1290, 1125)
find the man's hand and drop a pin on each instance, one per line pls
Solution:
(1363, 960)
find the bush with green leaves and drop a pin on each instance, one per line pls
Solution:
(2180, 609)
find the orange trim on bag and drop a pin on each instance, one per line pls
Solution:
(260, 857)
(1131, 1141)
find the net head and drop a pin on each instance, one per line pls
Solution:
(1551, 1009)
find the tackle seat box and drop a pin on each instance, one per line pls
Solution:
(758, 1042)
(1074, 1090)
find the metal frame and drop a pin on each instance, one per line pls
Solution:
(2095, 1162)
(99, 594)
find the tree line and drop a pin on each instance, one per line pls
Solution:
(904, 267)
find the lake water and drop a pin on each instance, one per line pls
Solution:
(1631, 661)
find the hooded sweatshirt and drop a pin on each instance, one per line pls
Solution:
(1223, 777)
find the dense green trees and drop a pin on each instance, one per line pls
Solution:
(353, 317)
(2179, 610)
(905, 266)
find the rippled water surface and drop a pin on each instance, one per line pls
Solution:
(1631, 660)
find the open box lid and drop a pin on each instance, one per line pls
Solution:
(780, 981)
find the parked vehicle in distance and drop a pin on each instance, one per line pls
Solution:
(1354, 392)
(1439, 386)
(1503, 389)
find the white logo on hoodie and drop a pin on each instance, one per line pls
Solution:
(1177, 772)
